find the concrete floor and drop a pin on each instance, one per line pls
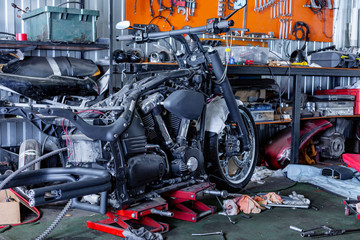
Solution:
(270, 224)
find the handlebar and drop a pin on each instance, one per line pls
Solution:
(213, 26)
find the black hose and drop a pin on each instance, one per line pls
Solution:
(14, 174)
(10, 34)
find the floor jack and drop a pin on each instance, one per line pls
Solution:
(351, 208)
(181, 204)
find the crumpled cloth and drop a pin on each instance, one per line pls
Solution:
(358, 208)
(230, 207)
(261, 173)
(141, 234)
(296, 199)
(247, 204)
(272, 197)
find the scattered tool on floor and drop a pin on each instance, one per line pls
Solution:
(352, 206)
(221, 233)
(323, 231)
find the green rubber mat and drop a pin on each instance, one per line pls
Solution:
(270, 225)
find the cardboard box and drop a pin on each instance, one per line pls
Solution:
(9, 211)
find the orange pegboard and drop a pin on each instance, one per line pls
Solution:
(258, 22)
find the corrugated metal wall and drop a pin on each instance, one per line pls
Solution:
(11, 22)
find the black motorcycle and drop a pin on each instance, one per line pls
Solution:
(163, 130)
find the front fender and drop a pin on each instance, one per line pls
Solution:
(277, 151)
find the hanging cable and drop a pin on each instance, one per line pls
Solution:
(29, 164)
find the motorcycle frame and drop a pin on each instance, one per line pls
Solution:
(111, 133)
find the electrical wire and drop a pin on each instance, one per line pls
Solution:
(324, 30)
(10, 34)
(29, 164)
(321, 4)
(68, 140)
(223, 77)
(281, 93)
(161, 17)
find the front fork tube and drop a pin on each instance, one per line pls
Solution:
(229, 97)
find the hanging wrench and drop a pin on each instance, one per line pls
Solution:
(287, 28)
(271, 12)
(187, 14)
(290, 7)
(290, 27)
(280, 31)
(260, 5)
(255, 8)
(284, 7)
(182, 10)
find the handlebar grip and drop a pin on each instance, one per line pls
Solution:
(225, 24)
(125, 38)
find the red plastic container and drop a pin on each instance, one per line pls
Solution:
(354, 92)
(21, 37)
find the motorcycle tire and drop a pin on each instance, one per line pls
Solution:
(232, 173)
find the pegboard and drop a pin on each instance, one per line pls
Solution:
(257, 22)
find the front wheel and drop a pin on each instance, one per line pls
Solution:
(229, 168)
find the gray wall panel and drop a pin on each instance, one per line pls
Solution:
(9, 22)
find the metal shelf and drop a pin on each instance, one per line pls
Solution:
(295, 73)
(303, 119)
(6, 44)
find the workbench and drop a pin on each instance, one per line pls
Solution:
(296, 73)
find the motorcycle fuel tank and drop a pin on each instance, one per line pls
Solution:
(185, 104)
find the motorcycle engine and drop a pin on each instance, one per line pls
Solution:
(166, 128)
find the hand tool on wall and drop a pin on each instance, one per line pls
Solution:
(151, 8)
(290, 7)
(281, 28)
(221, 8)
(181, 6)
(181, 10)
(284, 7)
(260, 5)
(192, 7)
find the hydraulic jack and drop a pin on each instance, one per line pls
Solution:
(185, 205)
(134, 216)
(181, 204)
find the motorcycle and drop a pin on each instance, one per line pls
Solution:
(163, 130)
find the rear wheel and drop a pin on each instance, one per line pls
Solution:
(231, 169)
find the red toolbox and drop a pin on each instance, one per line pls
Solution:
(354, 92)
